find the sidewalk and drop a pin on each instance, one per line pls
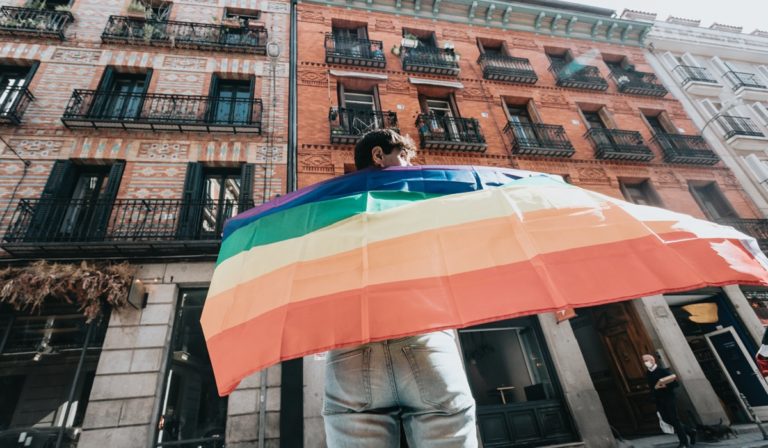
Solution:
(748, 436)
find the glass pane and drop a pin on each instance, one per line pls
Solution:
(506, 364)
(192, 407)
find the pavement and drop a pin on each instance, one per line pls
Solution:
(747, 436)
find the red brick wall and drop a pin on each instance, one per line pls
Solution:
(482, 99)
(156, 162)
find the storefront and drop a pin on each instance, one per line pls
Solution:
(47, 365)
(723, 349)
(519, 400)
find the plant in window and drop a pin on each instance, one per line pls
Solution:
(36, 4)
(231, 22)
(137, 9)
(63, 8)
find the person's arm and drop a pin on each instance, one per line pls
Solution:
(662, 383)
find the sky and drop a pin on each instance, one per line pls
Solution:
(750, 14)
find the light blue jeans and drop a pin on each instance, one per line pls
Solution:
(418, 380)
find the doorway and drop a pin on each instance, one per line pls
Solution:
(723, 349)
(513, 381)
(612, 340)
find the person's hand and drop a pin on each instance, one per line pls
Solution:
(659, 385)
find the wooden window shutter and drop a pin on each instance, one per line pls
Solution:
(246, 187)
(191, 202)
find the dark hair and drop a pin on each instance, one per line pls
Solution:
(388, 139)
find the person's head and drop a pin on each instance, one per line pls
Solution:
(649, 361)
(383, 148)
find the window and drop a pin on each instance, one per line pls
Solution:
(50, 5)
(491, 48)
(211, 196)
(441, 118)
(594, 120)
(232, 101)
(352, 40)
(506, 363)
(521, 121)
(246, 17)
(40, 367)
(640, 193)
(120, 95)
(425, 38)
(76, 202)
(360, 110)
(191, 407)
(13, 84)
(711, 201)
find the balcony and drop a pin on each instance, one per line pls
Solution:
(348, 125)
(536, 139)
(756, 228)
(92, 109)
(34, 22)
(199, 36)
(432, 60)
(497, 67)
(357, 52)
(637, 83)
(450, 133)
(124, 227)
(697, 80)
(577, 76)
(741, 133)
(687, 149)
(13, 104)
(747, 86)
(616, 144)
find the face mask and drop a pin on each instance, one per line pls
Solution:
(648, 364)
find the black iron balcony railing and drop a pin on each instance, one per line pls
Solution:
(125, 226)
(450, 133)
(757, 228)
(689, 149)
(572, 74)
(539, 139)
(499, 67)
(359, 52)
(159, 112)
(689, 73)
(34, 22)
(742, 126)
(202, 36)
(616, 144)
(637, 83)
(13, 104)
(348, 125)
(740, 79)
(433, 60)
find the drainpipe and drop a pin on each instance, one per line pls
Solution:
(291, 175)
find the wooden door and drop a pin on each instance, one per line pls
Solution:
(625, 342)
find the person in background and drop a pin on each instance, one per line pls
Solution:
(417, 382)
(663, 384)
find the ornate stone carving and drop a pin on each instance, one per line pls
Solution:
(311, 16)
(313, 78)
(315, 163)
(163, 151)
(76, 55)
(473, 94)
(519, 42)
(384, 25)
(554, 100)
(184, 63)
(593, 175)
(278, 7)
(395, 85)
(38, 148)
(454, 34)
(667, 178)
(622, 107)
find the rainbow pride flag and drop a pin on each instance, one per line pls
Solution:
(380, 254)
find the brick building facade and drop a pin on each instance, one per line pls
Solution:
(144, 125)
(556, 88)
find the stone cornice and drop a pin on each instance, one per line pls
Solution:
(512, 16)
(666, 35)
